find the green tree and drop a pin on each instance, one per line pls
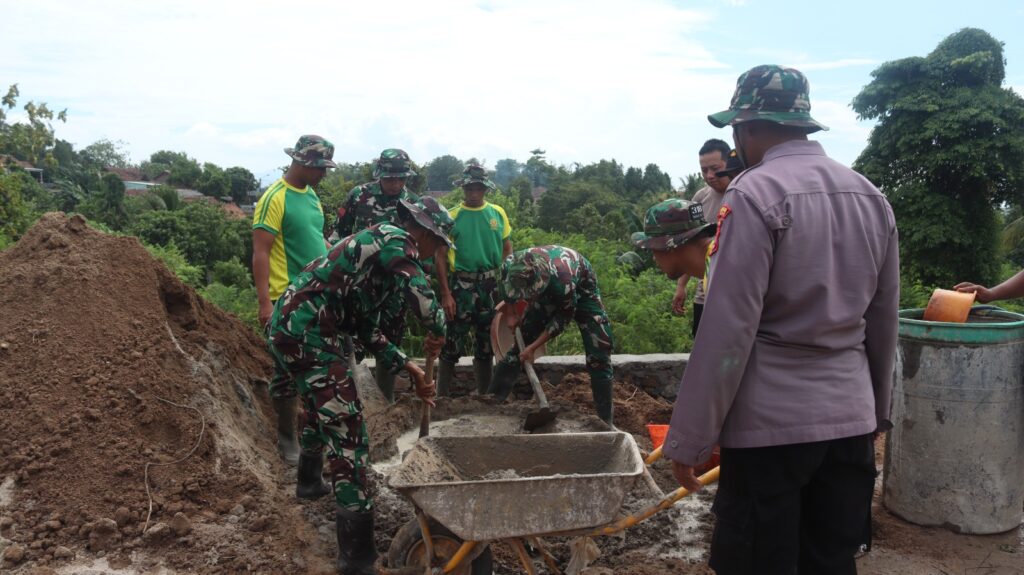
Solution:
(947, 150)
(522, 189)
(107, 204)
(656, 181)
(633, 182)
(505, 171)
(184, 171)
(168, 194)
(106, 154)
(32, 141)
(692, 184)
(241, 181)
(213, 182)
(14, 212)
(203, 233)
(441, 171)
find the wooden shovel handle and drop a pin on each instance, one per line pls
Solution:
(531, 374)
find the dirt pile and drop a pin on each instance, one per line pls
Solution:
(111, 369)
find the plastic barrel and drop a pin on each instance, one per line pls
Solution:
(955, 455)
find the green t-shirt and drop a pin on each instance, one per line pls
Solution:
(478, 235)
(296, 219)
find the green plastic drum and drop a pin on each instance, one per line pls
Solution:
(955, 455)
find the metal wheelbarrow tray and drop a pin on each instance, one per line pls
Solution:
(484, 488)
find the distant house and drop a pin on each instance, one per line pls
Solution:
(36, 173)
(436, 194)
(229, 207)
(135, 179)
(538, 192)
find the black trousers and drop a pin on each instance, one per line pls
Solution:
(792, 509)
(698, 309)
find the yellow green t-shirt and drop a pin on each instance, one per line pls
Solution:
(479, 235)
(296, 219)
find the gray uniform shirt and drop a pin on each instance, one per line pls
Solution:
(710, 201)
(798, 338)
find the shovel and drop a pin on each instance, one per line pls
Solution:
(425, 413)
(535, 419)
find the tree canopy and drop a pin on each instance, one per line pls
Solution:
(948, 149)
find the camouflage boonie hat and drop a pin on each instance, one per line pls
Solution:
(313, 151)
(431, 215)
(525, 274)
(772, 93)
(670, 224)
(733, 166)
(474, 174)
(393, 163)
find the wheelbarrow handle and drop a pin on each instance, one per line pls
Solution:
(531, 374)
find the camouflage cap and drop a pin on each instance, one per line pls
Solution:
(313, 151)
(393, 163)
(670, 224)
(525, 274)
(771, 93)
(432, 216)
(733, 166)
(475, 174)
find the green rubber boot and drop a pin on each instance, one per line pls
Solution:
(601, 387)
(356, 553)
(386, 383)
(482, 369)
(504, 379)
(445, 376)
(287, 439)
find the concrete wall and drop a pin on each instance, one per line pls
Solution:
(656, 373)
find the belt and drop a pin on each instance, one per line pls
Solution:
(476, 276)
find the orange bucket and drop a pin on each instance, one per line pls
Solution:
(657, 433)
(949, 306)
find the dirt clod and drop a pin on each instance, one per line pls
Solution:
(181, 525)
(14, 554)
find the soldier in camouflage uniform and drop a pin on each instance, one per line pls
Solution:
(375, 203)
(481, 238)
(340, 294)
(679, 236)
(558, 285)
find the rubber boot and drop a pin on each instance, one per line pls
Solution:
(287, 440)
(504, 378)
(445, 376)
(386, 383)
(311, 482)
(356, 553)
(482, 369)
(601, 387)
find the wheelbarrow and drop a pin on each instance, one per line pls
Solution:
(471, 491)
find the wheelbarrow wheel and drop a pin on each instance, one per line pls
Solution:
(407, 550)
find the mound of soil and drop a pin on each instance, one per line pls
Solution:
(114, 374)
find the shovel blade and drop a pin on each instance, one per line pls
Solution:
(538, 419)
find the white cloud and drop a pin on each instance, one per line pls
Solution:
(584, 80)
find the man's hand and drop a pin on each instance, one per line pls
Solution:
(432, 345)
(265, 310)
(679, 302)
(424, 390)
(981, 293)
(685, 476)
(527, 355)
(448, 304)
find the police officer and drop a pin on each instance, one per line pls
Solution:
(468, 277)
(340, 294)
(544, 289)
(374, 203)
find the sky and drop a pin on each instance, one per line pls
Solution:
(234, 83)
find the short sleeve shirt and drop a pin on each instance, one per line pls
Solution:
(296, 219)
(479, 235)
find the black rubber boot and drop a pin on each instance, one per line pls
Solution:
(482, 369)
(445, 376)
(601, 387)
(356, 553)
(311, 482)
(287, 441)
(504, 379)
(386, 383)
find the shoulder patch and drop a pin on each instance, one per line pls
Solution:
(723, 213)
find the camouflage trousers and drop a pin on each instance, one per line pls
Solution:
(595, 328)
(333, 418)
(474, 309)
